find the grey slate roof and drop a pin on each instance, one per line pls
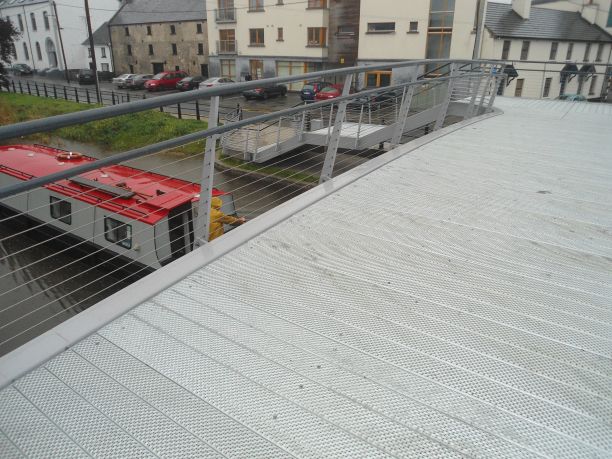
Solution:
(153, 11)
(101, 36)
(543, 24)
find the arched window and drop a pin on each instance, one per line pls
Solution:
(25, 52)
(38, 51)
(46, 20)
(33, 19)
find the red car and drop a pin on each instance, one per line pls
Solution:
(331, 92)
(165, 80)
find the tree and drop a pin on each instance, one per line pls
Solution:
(8, 33)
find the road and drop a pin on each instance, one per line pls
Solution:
(111, 95)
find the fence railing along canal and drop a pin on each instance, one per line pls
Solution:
(88, 220)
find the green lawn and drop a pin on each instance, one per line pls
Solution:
(116, 134)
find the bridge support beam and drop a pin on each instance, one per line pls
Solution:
(334, 141)
(206, 185)
(403, 112)
(444, 106)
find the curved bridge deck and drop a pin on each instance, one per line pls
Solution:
(455, 301)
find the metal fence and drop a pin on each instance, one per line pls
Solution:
(91, 206)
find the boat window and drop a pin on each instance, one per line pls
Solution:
(118, 232)
(61, 210)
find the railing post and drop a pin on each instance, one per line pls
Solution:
(29, 89)
(54, 92)
(332, 148)
(208, 173)
(20, 87)
(469, 112)
(359, 127)
(65, 93)
(180, 113)
(197, 106)
(45, 89)
(245, 156)
(278, 133)
(13, 82)
(37, 90)
(404, 110)
(444, 106)
(76, 94)
(88, 97)
(496, 82)
(484, 90)
(113, 97)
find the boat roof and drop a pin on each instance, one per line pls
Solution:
(127, 191)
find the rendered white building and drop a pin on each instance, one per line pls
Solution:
(39, 43)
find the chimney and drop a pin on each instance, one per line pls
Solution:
(522, 7)
(589, 13)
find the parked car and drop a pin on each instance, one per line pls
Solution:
(189, 83)
(121, 79)
(265, 91)
(21, 69)
(165, 80)
(328, 93)
(572, 97)
(216, 81)
(137, 81)
(312, 88)
(86, 76)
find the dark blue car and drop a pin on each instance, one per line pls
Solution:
(312, 88)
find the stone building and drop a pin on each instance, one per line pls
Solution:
(151, 36)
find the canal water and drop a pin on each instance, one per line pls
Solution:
(42, 284)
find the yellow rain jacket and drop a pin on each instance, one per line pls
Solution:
(218, 219)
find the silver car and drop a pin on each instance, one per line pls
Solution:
(121, 79)
(216, 81)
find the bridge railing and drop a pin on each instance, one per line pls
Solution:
(63, 251)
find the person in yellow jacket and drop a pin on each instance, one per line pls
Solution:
(218, 219)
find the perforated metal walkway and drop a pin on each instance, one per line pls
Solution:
(453, 302)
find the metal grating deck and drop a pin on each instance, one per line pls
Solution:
(455, 302)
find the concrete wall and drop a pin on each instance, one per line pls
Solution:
(535, 74)
(186, 39)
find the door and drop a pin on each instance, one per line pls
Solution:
(180, 230)
(158, 67)
(204, 70)
(256, 67)
(518, 91)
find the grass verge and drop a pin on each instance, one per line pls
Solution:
(121, 133)
(271, 171)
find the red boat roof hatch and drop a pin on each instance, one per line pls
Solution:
(134, 193)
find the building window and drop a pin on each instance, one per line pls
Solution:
(172, 30)
(317, 36)
(118, 232)
(131, 68)
(198, 28)
(279, 34)
(599, 52)
(256, 5)
(46, 20)
(414, 27)
(378, 79)
(149, 32)
(127, 31)
(587, 52)
(151, 50)
(506, 50)
(317, 3)
(381, 27)
(592, 86)
(228, 68)
(518, 91)
(102, 51)
(25, 52)
(60, 210)
(256, 37)
(38, 51)
(345, 31)
(33, 20)
(570, 49)
(547, 84)
(20, 21)
(129, 50)
(525, 50)
(105, 67)
(227, 41)
(200, 49)
(256, 67)
(439, 31)
(554, 46)
(174, 50)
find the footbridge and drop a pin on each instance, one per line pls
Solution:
(448, 297)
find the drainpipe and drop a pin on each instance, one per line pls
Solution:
(25, 19)
(482, 5)
(61, 42)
